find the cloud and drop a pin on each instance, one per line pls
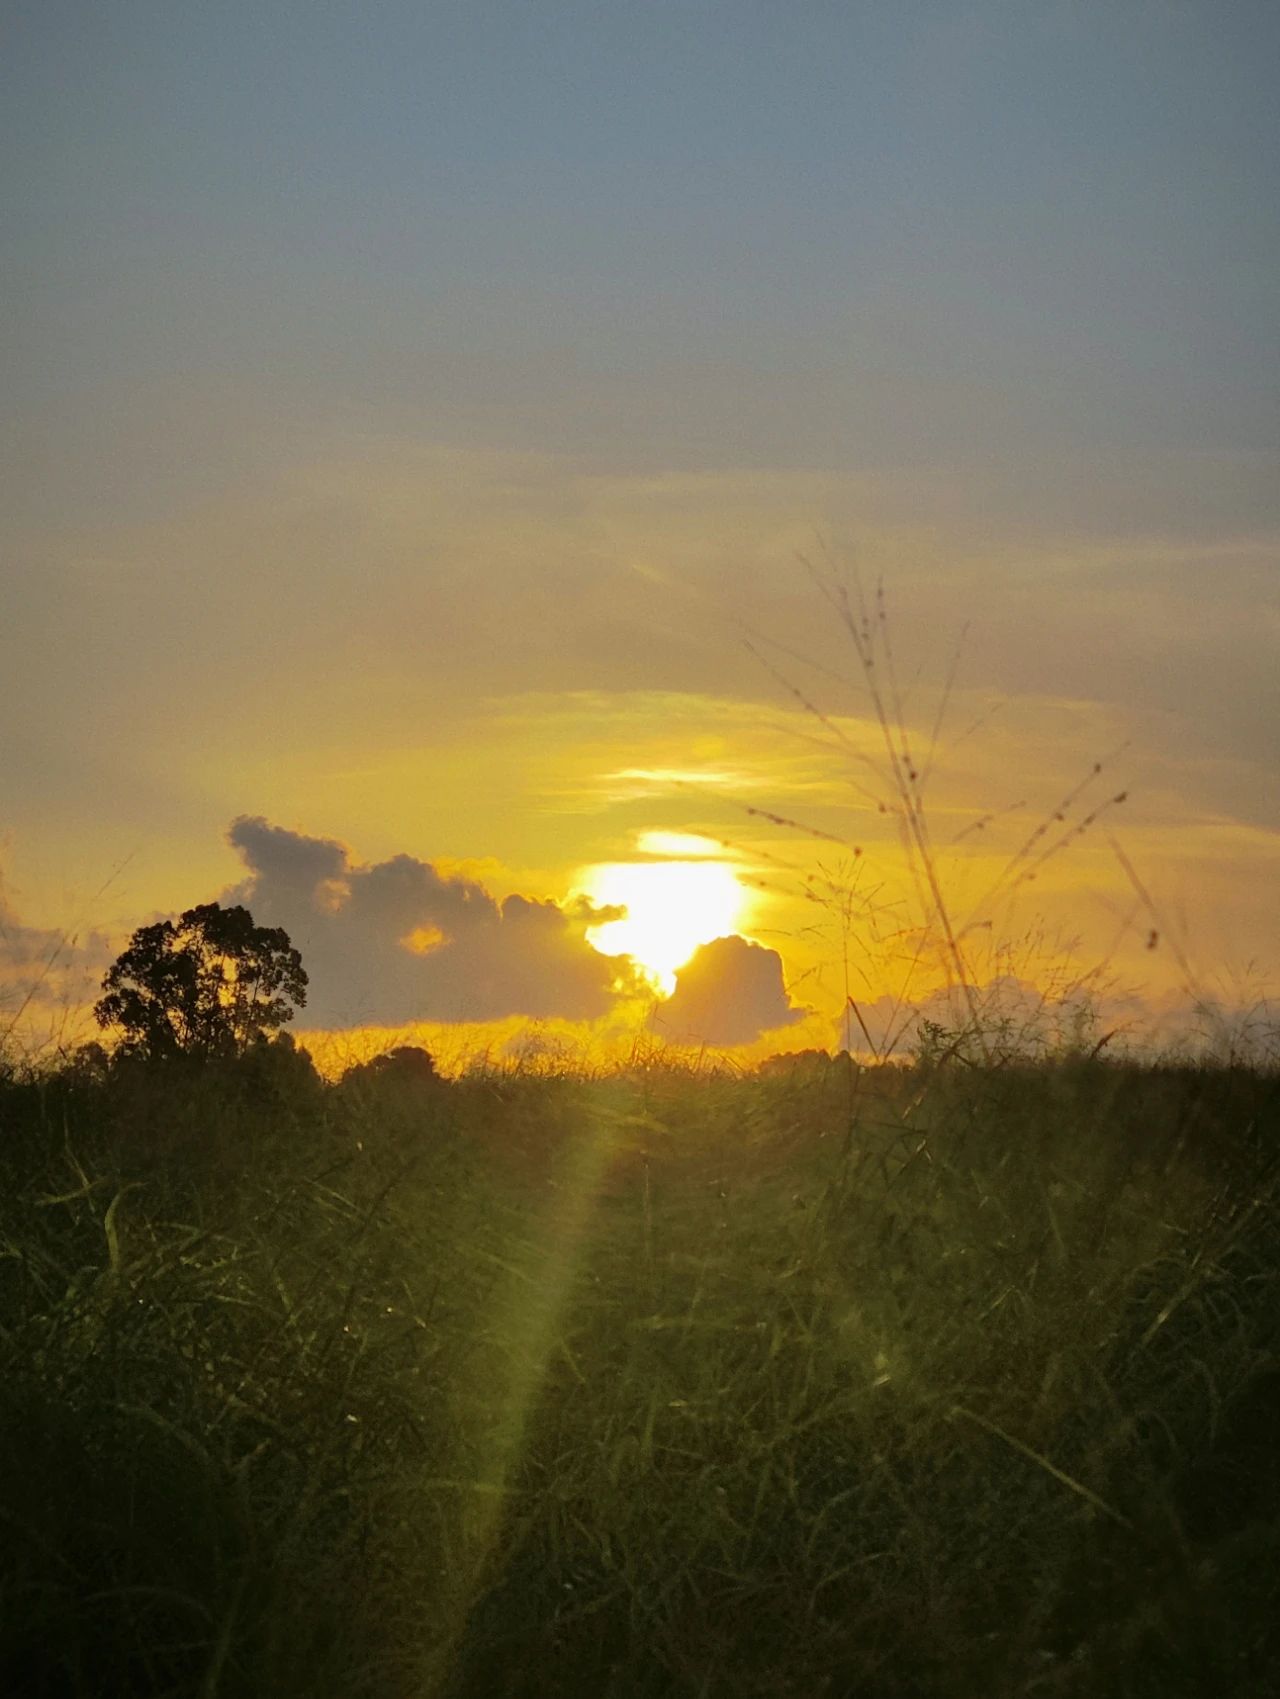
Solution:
(398, 941)
(1014, 1012)
(294, 863)
(44, 968)
(729, 992)
(1019, 1016)
(25, 949)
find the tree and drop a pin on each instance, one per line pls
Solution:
(407, 1065)
(209, 984)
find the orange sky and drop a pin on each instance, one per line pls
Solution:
(360, 842)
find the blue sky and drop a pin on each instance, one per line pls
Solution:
(792, 234)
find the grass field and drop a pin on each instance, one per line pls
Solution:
(941, 1380)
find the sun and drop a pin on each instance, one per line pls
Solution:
(672, 907)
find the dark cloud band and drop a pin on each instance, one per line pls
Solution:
(730, 992)
(398, 941)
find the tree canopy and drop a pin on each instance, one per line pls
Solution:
(209, 984)
(407, 1065)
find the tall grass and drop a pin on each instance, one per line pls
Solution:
(922, 1380)
(934, 936)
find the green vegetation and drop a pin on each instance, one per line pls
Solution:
(950, 1379)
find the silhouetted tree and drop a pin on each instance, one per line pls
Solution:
(407, 1064)
(791, 1063)
(209, 984)
(88, 1065)
(276, 1071)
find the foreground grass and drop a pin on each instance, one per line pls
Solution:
(943, 1381)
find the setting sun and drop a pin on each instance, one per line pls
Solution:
(672, 907)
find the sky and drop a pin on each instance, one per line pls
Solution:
(417, 419)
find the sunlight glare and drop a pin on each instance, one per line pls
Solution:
(672, 907)
(679, 846)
